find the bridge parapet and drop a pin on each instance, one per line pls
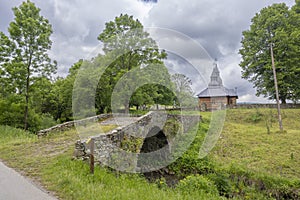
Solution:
(131, 138)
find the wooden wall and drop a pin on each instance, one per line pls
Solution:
(214, 103)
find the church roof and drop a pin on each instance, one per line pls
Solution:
(217, 92)
(215, 87)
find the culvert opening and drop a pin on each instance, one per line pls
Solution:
(156, 147)
(154, 141)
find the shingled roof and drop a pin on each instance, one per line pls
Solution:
(215, 87)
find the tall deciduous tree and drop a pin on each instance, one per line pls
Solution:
(24, 54)
(279, 26)
(128, 46)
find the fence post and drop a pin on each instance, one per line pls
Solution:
(92, 160)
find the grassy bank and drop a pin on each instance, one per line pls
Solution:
(250, 139)
(48, 160)
(251, 160)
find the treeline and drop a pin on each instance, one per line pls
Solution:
(33, 98)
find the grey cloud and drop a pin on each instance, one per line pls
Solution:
(217, 25)
(211, 22)
(76, 24)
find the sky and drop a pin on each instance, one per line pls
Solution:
(215, 25)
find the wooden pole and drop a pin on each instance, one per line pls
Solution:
(92, 161)
(276, 90)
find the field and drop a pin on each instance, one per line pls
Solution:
(252, 160)
(247, 141)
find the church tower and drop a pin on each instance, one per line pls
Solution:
(216, 96)
(215, 79)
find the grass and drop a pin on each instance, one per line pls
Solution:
(245, 141)
(73, 181)
(48, 161)
(250, 161)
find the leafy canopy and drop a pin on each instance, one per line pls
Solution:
(279, 26)
(24, 56)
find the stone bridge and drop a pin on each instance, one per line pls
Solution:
(120, 148)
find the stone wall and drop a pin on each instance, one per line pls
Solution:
(68, 125)
(130, 138)
(283, 106)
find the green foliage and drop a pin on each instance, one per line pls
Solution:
(222, 182)
(132, 144)
(46, 121)
(11, 109)
(189, 162)
(171, 127)
(197, 183)
(255, 117)
(127, 46)
(9, 134)
(275, 25)
(60, 97)
(134, 112)
(184, 92)
(24, 54)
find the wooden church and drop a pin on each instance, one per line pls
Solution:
(216, 96)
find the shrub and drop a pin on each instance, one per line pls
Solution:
(197, 183)
(47, 121)
(255, 117)
(223, 183)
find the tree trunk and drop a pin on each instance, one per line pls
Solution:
(26, 100)
(126, 111)
(27, 93)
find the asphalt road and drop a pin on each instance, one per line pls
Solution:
(13, 186)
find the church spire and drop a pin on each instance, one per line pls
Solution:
(215, 79)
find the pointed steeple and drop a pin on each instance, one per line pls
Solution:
(215, 79)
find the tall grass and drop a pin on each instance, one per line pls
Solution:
(10, 135)
(71, 180)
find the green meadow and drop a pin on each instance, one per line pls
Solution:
(251, 160)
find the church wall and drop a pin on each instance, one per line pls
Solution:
(214, 103)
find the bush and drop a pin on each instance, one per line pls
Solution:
(223, 183)
(12, 112)
(255, 117)
(46, 121)
(197, 183)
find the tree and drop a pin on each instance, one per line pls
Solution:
(295, 43)
(25, 52)
(184, 92)
(275, 25)
(128, 47)
(296, 7)
(157, 88)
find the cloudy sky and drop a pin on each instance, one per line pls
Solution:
(215, 25)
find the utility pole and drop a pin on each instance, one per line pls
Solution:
(276, 89)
